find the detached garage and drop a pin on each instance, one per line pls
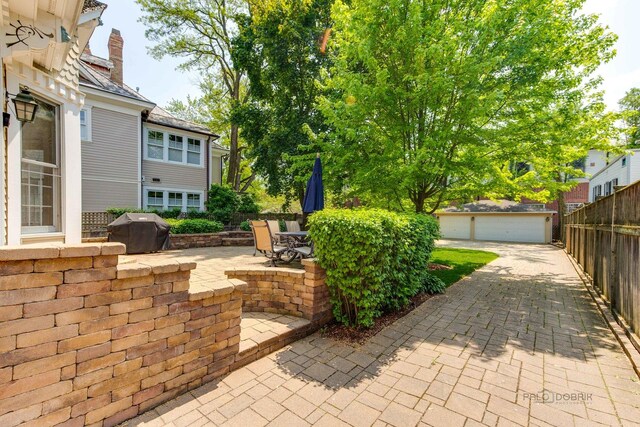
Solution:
(500, 222)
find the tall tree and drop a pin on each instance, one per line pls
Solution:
(279, 46)
(630, 107)
(212, 109)
(430, 101)
(201, 32)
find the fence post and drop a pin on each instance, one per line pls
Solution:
(614, 259)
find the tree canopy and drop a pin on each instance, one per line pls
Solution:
(630, 107)
(201, 33)
(278, 46)
(433, 101)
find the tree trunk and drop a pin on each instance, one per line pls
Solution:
(234, 159)
(561, 212)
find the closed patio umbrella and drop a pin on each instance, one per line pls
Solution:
(314, 196)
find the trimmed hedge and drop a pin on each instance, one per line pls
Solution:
(375, 260)
(171, 213)
(194, 226)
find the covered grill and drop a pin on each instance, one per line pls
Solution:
(141, 232)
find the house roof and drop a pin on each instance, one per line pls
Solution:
(90, 5)
(162, 117)
(490, 206)
(633, 151)
(90, 77)
(93, 78)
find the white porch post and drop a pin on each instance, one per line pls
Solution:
(71, 173)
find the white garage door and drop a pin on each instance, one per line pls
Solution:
(455, 227)
(520, 228)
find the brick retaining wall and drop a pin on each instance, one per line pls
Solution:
(205, 240)
(84, 340)
(301, 293)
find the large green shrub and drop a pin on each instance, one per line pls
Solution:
(194, 226)
(375, 260)
(171, 213)
(119, 211)
(222, 203)
(247, 204)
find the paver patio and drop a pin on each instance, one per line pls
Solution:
(501, 347)
(212, 262)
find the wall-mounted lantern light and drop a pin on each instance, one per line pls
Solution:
(26, 106)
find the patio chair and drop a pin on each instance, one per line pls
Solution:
(274, 227)
(304, 251)
(292, 225)
(263, 242)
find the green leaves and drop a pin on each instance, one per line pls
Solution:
(427, 101)
(375, 260)
(194, 226)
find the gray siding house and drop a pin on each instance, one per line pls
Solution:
(135, 154)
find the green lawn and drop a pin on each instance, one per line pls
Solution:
(463, 261)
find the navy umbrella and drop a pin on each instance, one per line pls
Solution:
(314, 196)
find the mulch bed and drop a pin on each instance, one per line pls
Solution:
(361, 335)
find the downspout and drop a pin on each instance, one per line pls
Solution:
(208, 150)
(5, 134)
(141, 195)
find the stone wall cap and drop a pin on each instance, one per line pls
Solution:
(309, 261)
(56, 250)
(187, 265)
(127, 271)
(23, 252)
(160, 266)
(219, 287)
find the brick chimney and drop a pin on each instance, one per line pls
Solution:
(116, 43)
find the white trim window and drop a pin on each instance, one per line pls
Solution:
(176, 149)
(194, 201)
(175, 200)
(85, 124)
(167, 199)
(41, 177)
(194, 151)
(173, 148)
(155, 200)
(155, 145)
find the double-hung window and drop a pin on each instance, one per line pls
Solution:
(193, 201)
(175, 201)
(172, 148)
(40, 177)
(193, 151)
(155, 145)
(175, 148)
(155, 200)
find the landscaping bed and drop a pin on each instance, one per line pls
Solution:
(449, 264)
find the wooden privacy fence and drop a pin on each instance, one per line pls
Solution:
(604, 238)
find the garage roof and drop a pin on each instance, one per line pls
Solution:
(500, 206)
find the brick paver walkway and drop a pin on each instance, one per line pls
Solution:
(499, 348)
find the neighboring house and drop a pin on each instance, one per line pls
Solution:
(135, 154)
(620, 171)
(176, 170)
(41, 162)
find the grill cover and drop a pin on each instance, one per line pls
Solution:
(141, 232)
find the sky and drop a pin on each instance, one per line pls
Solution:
(160, 81)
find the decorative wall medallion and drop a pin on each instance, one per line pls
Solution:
(27, 35)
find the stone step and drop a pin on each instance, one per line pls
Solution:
(237, 241)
